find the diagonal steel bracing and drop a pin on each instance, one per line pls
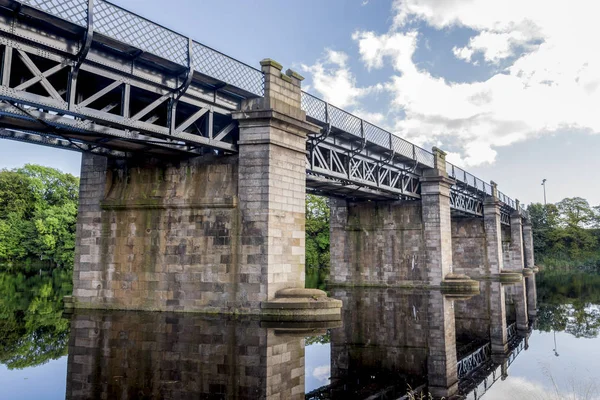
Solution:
(89, 76)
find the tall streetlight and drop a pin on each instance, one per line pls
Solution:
(555, 349)
(544, 185)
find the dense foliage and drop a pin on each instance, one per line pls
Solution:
(566, 234)
(38, 211)
(569, 302)
(317, 241)
(33, 331)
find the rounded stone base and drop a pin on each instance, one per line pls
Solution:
(298, 304)
(536, 269)
(511, 277)
(527, 271)
(459, 285)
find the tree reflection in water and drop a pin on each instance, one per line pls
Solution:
(33, 330)
(569, 302)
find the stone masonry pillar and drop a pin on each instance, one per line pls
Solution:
(442, 359)
(528, 245)
(519, 295)
(88, 280)
(338, 220)
(531, 295)
(517, 265)
(516, 241)
(498, 333)
(493, 233)
(435, 200)
(272, 185)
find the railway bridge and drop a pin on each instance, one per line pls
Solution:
(195, 168)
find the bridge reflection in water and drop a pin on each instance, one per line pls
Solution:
(390, 339)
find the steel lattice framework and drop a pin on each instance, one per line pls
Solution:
(477, 384)
(87, 75)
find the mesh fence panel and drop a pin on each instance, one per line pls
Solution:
(424, 157)
(377, 135)
(403, 147)
(118, 24)
(74, 11)
(314, 107)
(214, 64)
(345, 121)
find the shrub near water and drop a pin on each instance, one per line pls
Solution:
(38, 212)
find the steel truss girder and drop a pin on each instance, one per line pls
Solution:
(465, 202)
(63, 108)
(58, 143)
(505, 216)
(334, 162)
(474, 360)
(481, 381)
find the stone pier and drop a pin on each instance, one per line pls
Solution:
(391, 338)
(220, 233)
(119, 354)
(483, 317)
(397, 243)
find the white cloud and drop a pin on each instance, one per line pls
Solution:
(376, 118)
(322, 373)
(331, 77)
(520, 388)
(495, 46)
(550, 80)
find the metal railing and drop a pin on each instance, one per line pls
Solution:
(473, 360)
(511, 331)
(120, 25)
(325, 113)
(467, 179)
(126, 27)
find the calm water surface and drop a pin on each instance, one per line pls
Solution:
(506, 343)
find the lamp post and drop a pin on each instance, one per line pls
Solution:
(544, 185)
(555, 349)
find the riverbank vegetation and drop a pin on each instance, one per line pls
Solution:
(38, 212)
(317, 241)
(566, 235)
(33, 330)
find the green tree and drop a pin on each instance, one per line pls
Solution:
(38, 213)
(575, 212)
(566, 234)
(317, 240)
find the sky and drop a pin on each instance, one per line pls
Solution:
(509, 89)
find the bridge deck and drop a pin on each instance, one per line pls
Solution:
(87, 75)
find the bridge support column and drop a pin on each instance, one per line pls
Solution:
(528, 245)
(516, 243)
(377, 243)
(530, 264)
(219, 234)
(516, 264)
(437, 226)
(442, 359)
(531, 293)
(498, 333)
(493, 233)
(272, 194)
(518, 294)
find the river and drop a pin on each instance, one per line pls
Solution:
(506, 343)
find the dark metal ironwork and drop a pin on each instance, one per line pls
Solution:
(121, 26)
(131, 85)
(382, 151)
(474, 360)
(475, 385)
